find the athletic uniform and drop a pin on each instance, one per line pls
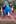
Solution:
(7, 9)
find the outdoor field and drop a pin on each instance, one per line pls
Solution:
(11, 19)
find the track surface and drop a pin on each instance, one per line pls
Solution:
(9, 18)
(13, 16)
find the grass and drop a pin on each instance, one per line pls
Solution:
(15, 10)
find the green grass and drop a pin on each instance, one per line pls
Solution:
(0, 1)
(15, 11)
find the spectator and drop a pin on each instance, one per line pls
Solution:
(4, 6)
(11, 6)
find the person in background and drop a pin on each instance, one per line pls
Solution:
(11, 7)
(4, 6)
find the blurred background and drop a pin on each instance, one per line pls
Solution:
(7, 2)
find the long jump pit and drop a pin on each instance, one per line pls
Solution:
(8, 19)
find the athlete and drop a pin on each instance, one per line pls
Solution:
(7, 10)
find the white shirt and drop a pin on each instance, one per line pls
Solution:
(12, 8)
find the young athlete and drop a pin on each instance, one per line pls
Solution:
(7, 10)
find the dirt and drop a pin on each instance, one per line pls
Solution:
(11, 19)
(8, 19)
